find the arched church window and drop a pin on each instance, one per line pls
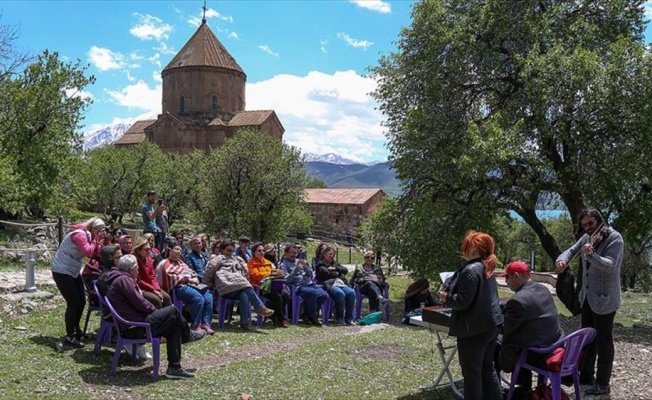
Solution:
(214, 103)
(182, 105)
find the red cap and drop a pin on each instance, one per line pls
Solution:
(516, 267)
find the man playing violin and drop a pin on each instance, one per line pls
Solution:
(601, 254)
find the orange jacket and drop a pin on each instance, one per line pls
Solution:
(259, 270)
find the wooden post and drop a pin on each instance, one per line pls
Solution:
(60, 230)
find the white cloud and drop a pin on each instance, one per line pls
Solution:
(267, 50)
(134, 56)
(233, 35)
(324, 113)
(150, 27)
(155, 59)
(360, 44)
(373, 5)
(104, 59)
(164, 49)
(210, 13)
(156, 76)
(130, 77)
(75, 92)
(647, 9)
(139, 95)
(323, 44)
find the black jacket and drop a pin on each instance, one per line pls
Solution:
(326, 277)
(474, 301)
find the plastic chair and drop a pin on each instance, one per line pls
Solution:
(224, 309)
(91, 307)
(573, 345)
(260, 319)
(155, 341)
(359, 297)
(178, 303)
(296, 301)
(106, 324)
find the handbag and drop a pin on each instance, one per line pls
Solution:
(200, 287)
(553, 362)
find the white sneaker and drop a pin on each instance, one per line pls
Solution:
(142, 353)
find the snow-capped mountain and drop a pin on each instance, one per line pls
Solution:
(105, 135)
(329, 158)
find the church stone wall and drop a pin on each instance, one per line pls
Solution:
(198, 85)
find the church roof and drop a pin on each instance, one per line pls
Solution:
(136, 133)
(340, 196)
(250, 118)
(204, 50)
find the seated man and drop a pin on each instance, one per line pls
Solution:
(531, 319)
(299, 274)
(167, 322)
(196, 259)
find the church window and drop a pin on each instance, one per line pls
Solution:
(182, 105)
(214, 103)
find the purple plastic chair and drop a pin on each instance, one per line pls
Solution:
(155, 341)
(573, 345)
(106, 324)
(260, 319)
(296, 306)
(224, 309)
(358, 302)
(176, 301)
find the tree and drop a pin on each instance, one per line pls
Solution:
(500, 105)
(42, 109)
(315, 183)
(256, 187)
(116, 179)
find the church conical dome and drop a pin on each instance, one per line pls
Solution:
(204, 50)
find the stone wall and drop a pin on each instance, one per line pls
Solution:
(43, 239)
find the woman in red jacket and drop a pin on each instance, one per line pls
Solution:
(147, 281)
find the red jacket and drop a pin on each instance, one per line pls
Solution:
(147, 274)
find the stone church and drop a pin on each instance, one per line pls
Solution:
(203, 101)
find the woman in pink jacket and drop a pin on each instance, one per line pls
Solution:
(83, 240)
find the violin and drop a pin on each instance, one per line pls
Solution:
(595, 239)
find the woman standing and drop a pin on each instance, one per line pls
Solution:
(83, 240)
(473, 296)
(260, 267)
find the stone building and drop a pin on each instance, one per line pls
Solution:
(203, 101)
(342, 210)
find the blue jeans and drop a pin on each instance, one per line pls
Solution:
(343, 296)
(201, 305)
(313, 299)
(246, 297)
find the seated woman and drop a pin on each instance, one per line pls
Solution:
(154, 251)
(147, 276)
(371, 281)
(270, 254)
(332, 275)
(417, 296)
(229, 276)
(261, 268)
(315, 260)
(175, 274)
(215, 248)
(299, 274)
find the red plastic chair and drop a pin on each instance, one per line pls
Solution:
(155, 341)
(573, 345)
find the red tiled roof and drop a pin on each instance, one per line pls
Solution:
(204, 49)
(250, 118)
(340, 196)
(135, 134)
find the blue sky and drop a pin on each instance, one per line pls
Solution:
(306, 59)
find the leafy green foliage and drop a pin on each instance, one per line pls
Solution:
(257, 186)
(41, 110)
(497, 106)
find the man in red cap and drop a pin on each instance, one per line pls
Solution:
(531, 319)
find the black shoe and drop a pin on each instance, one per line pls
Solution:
(587, 380)
(598, 390)
(314, 321)
(195, 335)
(74, 342)
(178, 373)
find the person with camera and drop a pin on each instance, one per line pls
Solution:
(83, 240)
(150, 212)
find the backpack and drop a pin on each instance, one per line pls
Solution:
(373, 318)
